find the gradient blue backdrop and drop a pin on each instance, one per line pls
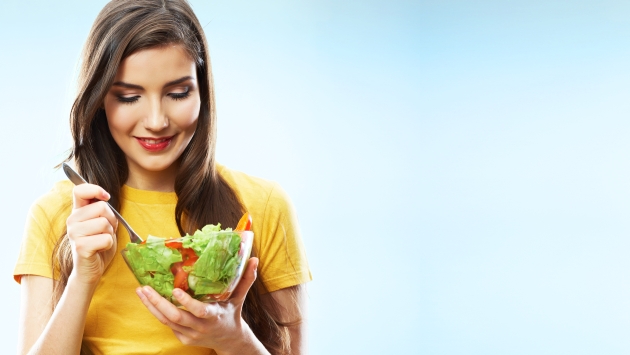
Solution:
(460, 168)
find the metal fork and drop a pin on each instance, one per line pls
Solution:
(78, 180)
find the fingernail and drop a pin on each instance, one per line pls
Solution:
(107, 195)
(139, 293)
(178, 293)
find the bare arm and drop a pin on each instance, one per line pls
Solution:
(91, 231)
(35, 310)
(293, 310)
(43, 331)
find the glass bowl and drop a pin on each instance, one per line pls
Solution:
(207, 265)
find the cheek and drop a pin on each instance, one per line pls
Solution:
(185, 114)
(119, 119)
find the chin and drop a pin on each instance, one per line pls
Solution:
(154, 164)
(156, 168)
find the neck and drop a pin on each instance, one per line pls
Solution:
(163, 181)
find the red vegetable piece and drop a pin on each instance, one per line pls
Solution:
(245, 223)
(190, 261)
(176, 267)
(181, 276)
(188, 253)
(181, 280)
(173, 245)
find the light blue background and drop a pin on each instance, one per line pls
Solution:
(460, 168)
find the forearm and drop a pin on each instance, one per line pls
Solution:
(64, 331)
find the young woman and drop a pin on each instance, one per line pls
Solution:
(144, 130)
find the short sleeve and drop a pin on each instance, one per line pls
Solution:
(282, 256)
(45, 224)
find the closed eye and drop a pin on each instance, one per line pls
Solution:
(180, 95)
(127, 99)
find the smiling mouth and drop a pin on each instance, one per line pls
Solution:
(154, 144)
(154, 141)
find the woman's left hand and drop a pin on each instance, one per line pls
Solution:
(218, 326)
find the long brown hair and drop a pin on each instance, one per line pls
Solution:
(121, 29)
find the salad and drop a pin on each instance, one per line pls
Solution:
(204, 264)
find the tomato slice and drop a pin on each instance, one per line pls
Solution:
(190, 261)
(188, 253)
(173, 245)
(245, 223)
(176, 267)
(181, 276)
(181, 280)
(189, 257)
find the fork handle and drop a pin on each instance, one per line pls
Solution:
(135, 238)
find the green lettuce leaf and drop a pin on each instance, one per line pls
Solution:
(218, 258)
(210, 274)
(151, 263)
(162, 283)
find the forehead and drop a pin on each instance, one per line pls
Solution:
(156, 66)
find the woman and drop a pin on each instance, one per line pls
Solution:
(144, 129)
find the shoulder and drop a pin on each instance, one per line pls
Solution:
(245, 183)
(45, 224)
(56, 202)
(251, 188)
(47, 216)
(259, 196)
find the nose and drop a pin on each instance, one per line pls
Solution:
(156, 119)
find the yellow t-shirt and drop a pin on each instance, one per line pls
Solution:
(117, 322)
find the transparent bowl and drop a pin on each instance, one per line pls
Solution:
(208, 274)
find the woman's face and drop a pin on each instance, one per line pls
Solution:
(153, 106)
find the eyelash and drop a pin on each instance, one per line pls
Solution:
(174, 96)
(180, 95)
(127, 100)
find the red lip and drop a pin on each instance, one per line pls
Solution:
(154, 144)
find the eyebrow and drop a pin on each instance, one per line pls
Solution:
(170, 83)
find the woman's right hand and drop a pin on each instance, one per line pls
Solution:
(92, 233)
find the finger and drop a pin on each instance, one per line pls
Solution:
(165, 311)
(246, 282)
(180, 336)
(84, 194)
(98, 225)
(88, 246)
(94, 210)
(195, 307)
(178, 329)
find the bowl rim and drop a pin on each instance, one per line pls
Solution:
(177, 238)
